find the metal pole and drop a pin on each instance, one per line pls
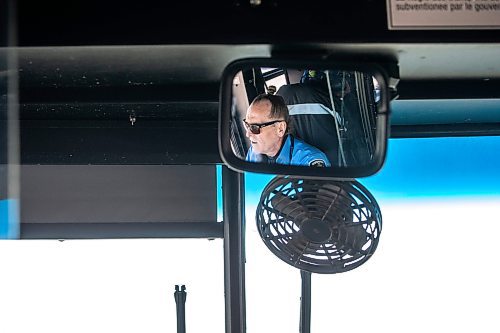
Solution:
(180, 302)
(233, 191)
(305, 303)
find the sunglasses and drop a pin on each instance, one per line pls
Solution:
(255, 128)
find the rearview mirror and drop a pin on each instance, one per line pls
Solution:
(304, 118)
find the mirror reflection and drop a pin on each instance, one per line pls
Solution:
(307, 117)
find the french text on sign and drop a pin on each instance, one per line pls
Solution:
(443, 14)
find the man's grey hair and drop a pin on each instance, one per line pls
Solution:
(279, 109)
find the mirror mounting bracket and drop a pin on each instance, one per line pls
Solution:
(300, 53)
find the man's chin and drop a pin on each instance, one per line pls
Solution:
(256, 149)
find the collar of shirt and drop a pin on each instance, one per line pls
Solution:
(284, 155)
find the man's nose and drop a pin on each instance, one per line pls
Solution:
(247, 132)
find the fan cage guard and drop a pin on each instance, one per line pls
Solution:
(319, 226)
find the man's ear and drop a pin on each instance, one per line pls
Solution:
(281, 128)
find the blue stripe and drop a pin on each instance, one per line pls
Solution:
(311, 108)
(218, 169)
(9, 219)
(308, 108)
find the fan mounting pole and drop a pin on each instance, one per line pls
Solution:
(305, 302)
(233, 191)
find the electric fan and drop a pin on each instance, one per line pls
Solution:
(319, 226)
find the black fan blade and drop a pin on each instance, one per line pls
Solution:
(291, 208)
(351, 235)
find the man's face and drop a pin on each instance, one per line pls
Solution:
(268, 141)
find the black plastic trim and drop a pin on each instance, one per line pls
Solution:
(444, 130)
(122, 230)
(119, 142)
(449, 89)
(227, 21)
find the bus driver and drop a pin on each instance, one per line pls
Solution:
(267, 126)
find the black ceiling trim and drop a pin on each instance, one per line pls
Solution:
(46, 23)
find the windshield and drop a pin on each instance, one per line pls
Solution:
(433, 268)
(110, 285)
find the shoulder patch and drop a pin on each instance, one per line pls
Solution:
(317, 163)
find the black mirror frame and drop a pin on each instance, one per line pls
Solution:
(237, 164)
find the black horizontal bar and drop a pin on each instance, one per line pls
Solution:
(196, 96)
(172, 111)
(228, 21)
(449, 89)
(122, 230)
(115, 142)
(444, 130)
(59, 92)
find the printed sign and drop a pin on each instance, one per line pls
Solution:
(443, 14)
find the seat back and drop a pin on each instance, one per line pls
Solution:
(312, 116)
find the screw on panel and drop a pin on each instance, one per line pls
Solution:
(132, 119)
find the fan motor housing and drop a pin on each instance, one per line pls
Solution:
(316, 231)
